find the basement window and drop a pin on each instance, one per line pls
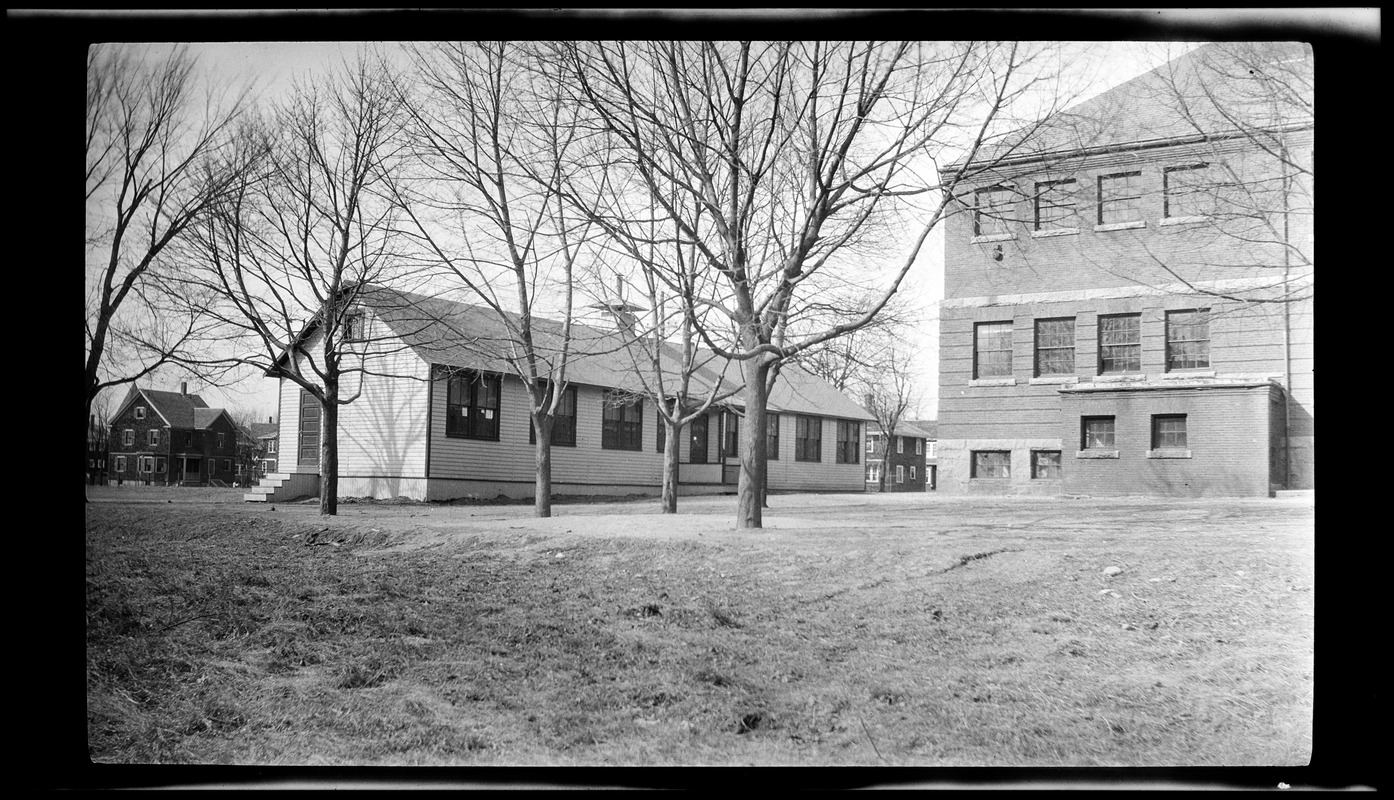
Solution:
(991, 464)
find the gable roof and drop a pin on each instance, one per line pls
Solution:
(177, 410)
(263, 430)
(1209, 90)
(925, 428)
(455, 334)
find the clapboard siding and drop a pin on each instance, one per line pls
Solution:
(788, 475)
(512, 457)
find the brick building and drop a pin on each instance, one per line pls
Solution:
(171, 438)
(1128, 292)
(897, 463)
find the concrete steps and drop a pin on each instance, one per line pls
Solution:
(281, 487)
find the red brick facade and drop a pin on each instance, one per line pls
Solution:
(177, 455)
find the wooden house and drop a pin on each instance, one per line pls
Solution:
(442, 416)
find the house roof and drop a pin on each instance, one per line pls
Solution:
(926, 428)
(178, 410)
(456, 334)
(1208, 90)
(263, 430)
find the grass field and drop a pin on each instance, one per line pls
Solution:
(853, 630)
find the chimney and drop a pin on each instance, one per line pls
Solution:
(183, 387)
(270, 420)
(870, 401)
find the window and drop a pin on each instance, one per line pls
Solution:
(912, 472)
(697, 440)
(1096, 433)
(563, 421)
(146, 464)
(1045, 464)
(220, 441)
(991, 464)
(1169, 432)
(1120, 198)
(120, 463)
(932, 447)
(848, 442)
(808, 438)
(873, 473)
(730, 434)
(1055, 205)
(271, 446)
(159, 465)
(772, 437)
(472, 405)
(900, 444)
(353, 326)
(189, 439)
(992, 350)
(622, 421)
(1120, 343)
(899, 473)
(128, 437)
(1184, 192)
(1188, 339)
(140, 412)
(992, 211)
(227, 465)
(1055, 347)
(153, 437)
(919, 446)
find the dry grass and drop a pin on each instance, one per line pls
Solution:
(902, 632)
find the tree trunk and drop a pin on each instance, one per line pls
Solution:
(670, 468)
(329, 455)
(542, 491)
(749, 512)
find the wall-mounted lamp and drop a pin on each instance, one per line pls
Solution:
(997, 253)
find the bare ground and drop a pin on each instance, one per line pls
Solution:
(853, 629)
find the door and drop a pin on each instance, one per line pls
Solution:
(698, 454)
(309, 430)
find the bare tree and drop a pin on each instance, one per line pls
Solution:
(782, 164)
(292, 251)
(493, 137)
(154, 133)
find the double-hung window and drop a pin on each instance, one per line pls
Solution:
(128, 437)
(1097, 433)
(808, 438)
(992, 350)
(1120, 198)
(1055, 206)
(1187, 191)
(622, 421)
(730, 434)
(1120, 343)
(1188, 339)
(1169, 432)
(772, 436)
(472, 405)
(1055, 347)
(153, 438)
(992, 211)
(848, 442)
(563, 421)
(900, 473)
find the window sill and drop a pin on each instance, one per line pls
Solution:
(1054, 380)
(617, 447)
(992, 237)
(1167, 221)
(1129, 377)
(474, 438)
(1168, 453)
(1096, 454)
(976, 479)
(992, 382)
(1049, 232)
(1120, 226)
